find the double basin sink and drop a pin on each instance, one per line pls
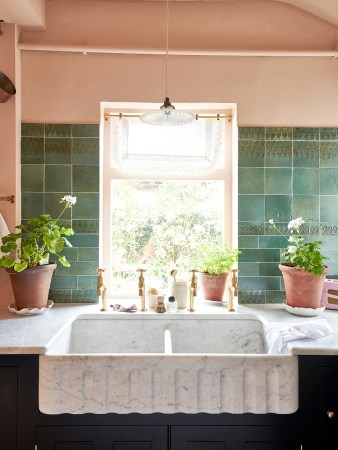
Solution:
(115, 363)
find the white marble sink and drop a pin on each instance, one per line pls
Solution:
(165, 363)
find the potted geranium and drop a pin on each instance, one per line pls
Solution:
(304, 270)
(27, 253)
(214, 263)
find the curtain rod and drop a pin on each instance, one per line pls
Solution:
(8, 198)
(197, 116)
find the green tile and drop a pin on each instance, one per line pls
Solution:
(84, 240)
(58, 130)
(85, 296)
(306, 134)
(332, 268)
(86, 178)
(31, 205)
(329, 154)
(306, 206)
(251, 296)
(305, 154)
(250, 228)
(251, 133)
(86, 151)
(251, 153)
(275, 296)
(88, 254)
(250, 207)
(271, 231)
(64, 282)
(248, 269)
(329, 229)
(272, 242)
(269, 269)
(328, 181)
(60, 295)
(32, 177)
(86, 226)
(260, 283)
(77, 268)
(328, 134)
(278, 208)
(54, 207)
(248, 241)
(87, 282)
(58, 150)
(32, 150)
(86, 130)
(58, 178)
(329, 242)
(250, 180)
(278, 134)
(32, 129)
(261, 255)
(305, 181)
(278, 154)
(87, 206)
(278, 181)
(70, 253)
(328, 208)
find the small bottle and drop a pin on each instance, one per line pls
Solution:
(172, 304)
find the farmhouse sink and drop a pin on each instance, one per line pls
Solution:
(165, 363)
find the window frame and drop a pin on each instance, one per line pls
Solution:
(107, 173)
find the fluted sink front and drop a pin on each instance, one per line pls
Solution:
(165, 363)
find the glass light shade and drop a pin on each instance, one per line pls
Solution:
(167, 116)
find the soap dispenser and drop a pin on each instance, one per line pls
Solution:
(171, 305)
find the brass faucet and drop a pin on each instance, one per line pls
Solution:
(234, 281)
(101, 289)
(230, 300)
(141, 289)
(192, 291)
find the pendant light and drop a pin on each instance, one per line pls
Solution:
(167, 115)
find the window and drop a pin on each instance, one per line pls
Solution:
(164, 191)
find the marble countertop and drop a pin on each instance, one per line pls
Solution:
(33, 334)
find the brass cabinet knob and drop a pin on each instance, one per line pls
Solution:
(330, 414)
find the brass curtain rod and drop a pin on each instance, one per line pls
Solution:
(8, 198)
(197, 116)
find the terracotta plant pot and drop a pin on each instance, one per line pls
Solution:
(302, 289)
(213, 286)
(31, 286)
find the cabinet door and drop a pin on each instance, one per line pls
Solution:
(328, 410)
(8, 407)
(234, 438)
(102, 438)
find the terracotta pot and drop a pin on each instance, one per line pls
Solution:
(303, 289)
(31, 286)
(213, 286)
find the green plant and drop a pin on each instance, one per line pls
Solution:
(37, 239)
(301, 254)
(215, 259)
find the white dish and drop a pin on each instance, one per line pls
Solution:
(29, 311)
(304, 311)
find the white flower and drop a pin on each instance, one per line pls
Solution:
(291, 239)
(69, 200)
(271, 221)
(292, 248)
(295, 224)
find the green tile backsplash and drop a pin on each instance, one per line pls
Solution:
(295, 171)
(58, 160)
(284, 172)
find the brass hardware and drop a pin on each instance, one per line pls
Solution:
(234, 281)
(141, 289)
(230, 300)
(197, 116)
(101, 289)
(8, 198)
(330, 414)
(192, 291)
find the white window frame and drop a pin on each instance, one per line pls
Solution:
(229, 174)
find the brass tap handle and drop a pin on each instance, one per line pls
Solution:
(101, 289)
(194, 281)
(330, 414)
(141, 288)
(234, 281)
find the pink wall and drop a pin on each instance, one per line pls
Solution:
(68, 87)
(8, 146)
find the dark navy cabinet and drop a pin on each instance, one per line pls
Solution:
(8, 407)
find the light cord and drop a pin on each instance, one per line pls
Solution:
(167, 49)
